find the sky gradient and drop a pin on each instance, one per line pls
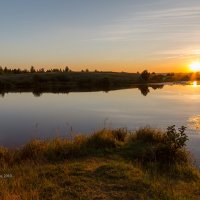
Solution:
(106, 35)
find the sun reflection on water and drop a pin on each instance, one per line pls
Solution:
(195, 83)
(194, 122)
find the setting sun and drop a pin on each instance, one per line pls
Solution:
(195, 66)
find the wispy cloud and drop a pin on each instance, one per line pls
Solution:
(178, 53)
(184, 12)
(174, 23)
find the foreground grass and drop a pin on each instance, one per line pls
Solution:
(110, 164)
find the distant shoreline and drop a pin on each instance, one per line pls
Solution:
(64, 82)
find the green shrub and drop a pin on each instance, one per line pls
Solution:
(176, 140)
(151, 145)
(172, 149)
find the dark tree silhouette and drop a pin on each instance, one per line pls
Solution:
(1, 70)
(144, 89)
(66, 69)
(32, 70)
(144, 76)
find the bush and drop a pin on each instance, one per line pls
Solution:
(176, 140)
(151, 145)
(172, 150)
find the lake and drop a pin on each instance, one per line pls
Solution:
(25, 116)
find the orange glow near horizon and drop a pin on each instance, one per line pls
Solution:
(179, 66)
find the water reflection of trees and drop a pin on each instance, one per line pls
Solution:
(155, 87)
(37, 92)
(2, 94)
(144, 89)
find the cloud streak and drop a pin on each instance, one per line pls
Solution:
(173, 23)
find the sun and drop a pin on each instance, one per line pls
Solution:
(195, 66)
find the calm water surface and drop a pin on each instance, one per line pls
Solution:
(24, 116)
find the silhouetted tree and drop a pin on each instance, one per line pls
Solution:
(1, 70)
(144, 76)
(5, 70)
(66, 69)
(32, 70)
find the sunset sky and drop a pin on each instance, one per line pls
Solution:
(117, 35)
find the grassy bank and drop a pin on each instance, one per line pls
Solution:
(109, 164)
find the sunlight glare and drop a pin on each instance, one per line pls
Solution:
(195, 66)
(195, 83)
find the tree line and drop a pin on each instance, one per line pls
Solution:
(6, 70)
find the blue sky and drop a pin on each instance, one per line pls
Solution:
(116, 35)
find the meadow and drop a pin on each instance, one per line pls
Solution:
(145, 164)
